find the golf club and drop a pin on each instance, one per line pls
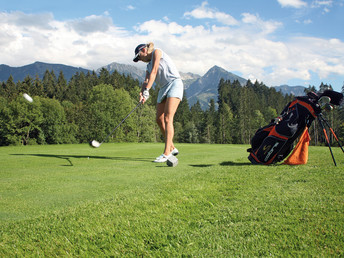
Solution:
(96, 144)
(325, 103)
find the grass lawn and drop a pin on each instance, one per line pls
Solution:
(72, 200)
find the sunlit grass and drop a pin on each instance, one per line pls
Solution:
(74, 200)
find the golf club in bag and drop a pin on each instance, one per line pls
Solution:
(96, 144)
(274, 142)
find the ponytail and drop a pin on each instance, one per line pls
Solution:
(150, 47)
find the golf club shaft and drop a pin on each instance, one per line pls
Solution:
(121, 122)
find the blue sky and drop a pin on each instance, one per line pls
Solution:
(294, 42)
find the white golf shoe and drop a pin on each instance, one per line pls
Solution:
(162, 158)
(175, 152)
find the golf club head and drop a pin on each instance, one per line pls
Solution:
(328, 107)
(95, 144)
(325, 103)
(324, 100)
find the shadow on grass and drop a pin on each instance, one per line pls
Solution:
(202, 166)
(225, 163)
(68, 157)
(231, 163)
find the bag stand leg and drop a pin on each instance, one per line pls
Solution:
(328, 125)
(328, 142)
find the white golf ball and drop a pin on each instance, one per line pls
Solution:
(27, 97)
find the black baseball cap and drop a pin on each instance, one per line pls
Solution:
(137, 51)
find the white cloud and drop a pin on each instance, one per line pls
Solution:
(318, 3)
(249, 47)
(325, 4)
(130, 7)
(28, 20)
(259, 25)
(91, 24)
(292, 3)
(204, 12)
(89, 42)
(246, 48)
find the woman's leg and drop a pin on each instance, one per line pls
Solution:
(170, 108)
(160, 118)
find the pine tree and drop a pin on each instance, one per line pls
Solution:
(49, 83)
(210, 125)
(38, 89)
(182, 115)
(104, 76)
(225, 122)
(9, 89)
(181, 119)
(61, 87)
(197, 118)
(26, 86)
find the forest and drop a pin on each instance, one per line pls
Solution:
(89, 106)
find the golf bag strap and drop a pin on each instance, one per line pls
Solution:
(273, 132)
(304, 104)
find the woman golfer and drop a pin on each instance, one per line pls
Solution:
(162, 71)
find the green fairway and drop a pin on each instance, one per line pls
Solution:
(73, 200)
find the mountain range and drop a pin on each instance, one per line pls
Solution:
(197, 88)
(206, 87)
(37, 68)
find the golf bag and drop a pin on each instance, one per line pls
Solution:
(274, 142)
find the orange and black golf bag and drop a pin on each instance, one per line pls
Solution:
(274, 142)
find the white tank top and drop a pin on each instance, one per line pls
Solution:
(167, 70)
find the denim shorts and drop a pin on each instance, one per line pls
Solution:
(173, 89)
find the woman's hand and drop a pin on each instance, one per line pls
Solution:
(144, 95)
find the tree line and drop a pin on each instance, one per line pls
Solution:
(90, 105)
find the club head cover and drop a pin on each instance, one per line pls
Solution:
(336, 97)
